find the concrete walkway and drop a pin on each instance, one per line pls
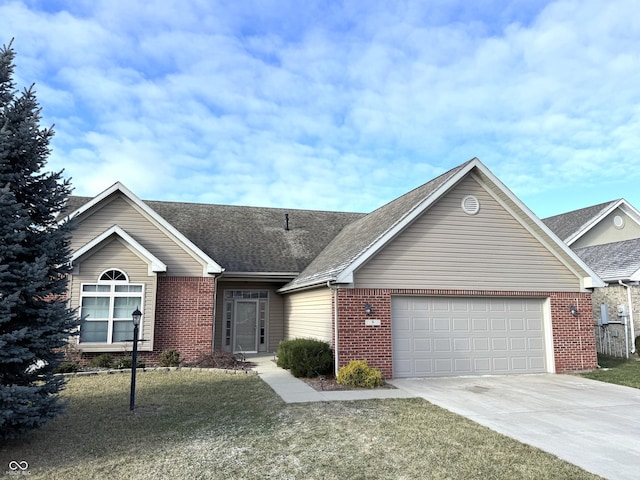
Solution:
(594, 425)
(292, 390)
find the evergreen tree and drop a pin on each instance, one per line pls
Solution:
(35, 320)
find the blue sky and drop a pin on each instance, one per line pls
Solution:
(335, 105)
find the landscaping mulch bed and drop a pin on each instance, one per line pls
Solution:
(327, 383)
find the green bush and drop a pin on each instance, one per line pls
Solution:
(170, 358)
(104, 360)
(359, 374)
(67, 367)
(305, 357)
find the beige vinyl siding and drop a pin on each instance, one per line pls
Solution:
(118, 211)
(275, 330)
(116, 255)
(605, 232)
(445, 248)
(309, 314)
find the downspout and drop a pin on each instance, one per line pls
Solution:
(215, 307)
(633, 333)
(336, 364)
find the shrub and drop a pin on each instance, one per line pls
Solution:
(305, 357)
(67, 367)
(170, 358)
(218, 359)
(104, 360)
(359, 374)
(125, 362)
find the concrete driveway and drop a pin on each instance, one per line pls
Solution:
(591, 424)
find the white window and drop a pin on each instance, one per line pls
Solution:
(106, 308)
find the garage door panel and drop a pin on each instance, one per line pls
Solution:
(443, 366)
(460, 325)
(421, 323)
(499, 344)
(498, 324)
(424, 367)
(442, 324)
(535, 344)
(534, 324)
(480, 324)
(442, 345)
(422, 345)
(517, 324)
(518, 344)
(462, 366)
(440, 336)
(480, 344)
(482, 365)
(462, 344)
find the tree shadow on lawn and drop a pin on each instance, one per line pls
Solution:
(98, 424)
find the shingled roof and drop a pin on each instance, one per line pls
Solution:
(568, 225)
(250, 239)
(613, 261)
(358, 236)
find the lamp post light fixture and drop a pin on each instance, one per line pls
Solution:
(135, 316)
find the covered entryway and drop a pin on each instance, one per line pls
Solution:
(246, 321)
(452, 336)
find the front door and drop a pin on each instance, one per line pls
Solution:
(245, 338)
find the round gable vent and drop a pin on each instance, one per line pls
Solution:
(470, 205)
(618, 222)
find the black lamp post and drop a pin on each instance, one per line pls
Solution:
(135, 316)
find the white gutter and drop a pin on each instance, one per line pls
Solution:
(633, 333)
(336, 363)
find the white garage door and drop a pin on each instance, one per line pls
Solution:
(449, 336)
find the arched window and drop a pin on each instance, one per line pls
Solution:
(114, 275)
(106, 307)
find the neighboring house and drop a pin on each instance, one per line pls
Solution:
(607, 238)
(456, 277)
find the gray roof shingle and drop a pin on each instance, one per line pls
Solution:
(250, 239)
(613, 261)
(358, 236)
(568, 224)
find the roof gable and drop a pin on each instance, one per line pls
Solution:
(359, 241)
(78, 208)
(574, 225)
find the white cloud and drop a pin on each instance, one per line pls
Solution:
(334, 105)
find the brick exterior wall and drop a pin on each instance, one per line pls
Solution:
(184, 317)
(573, 338)
(610, 340)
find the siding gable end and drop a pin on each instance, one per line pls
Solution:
(446, 248)
(119, 211)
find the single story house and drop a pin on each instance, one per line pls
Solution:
(607, 238)
(456, 277)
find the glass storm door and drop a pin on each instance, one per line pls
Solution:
(245, 337)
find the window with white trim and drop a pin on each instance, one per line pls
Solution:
(106, 307)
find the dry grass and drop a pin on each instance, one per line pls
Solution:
(617, 370)
(196, 425)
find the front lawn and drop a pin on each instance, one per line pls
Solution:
(617, 370)
(199, 425)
